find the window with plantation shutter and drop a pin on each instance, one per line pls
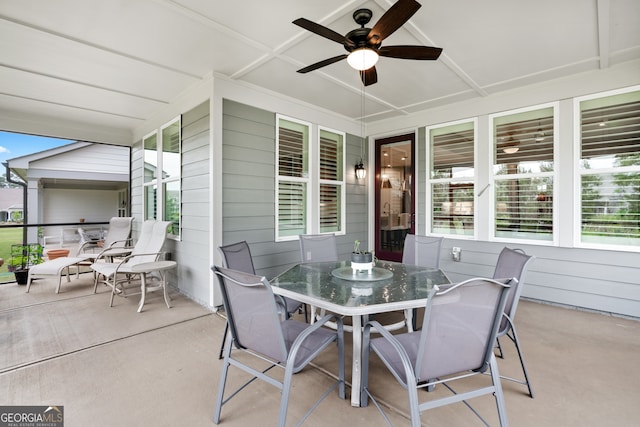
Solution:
(452, 178)
(310, 193)
(609, 173)
(331, 188)
(292, 178)
(523, 174)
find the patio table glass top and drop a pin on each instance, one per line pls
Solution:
(333, 285)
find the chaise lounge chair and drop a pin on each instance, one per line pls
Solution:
(114, 245)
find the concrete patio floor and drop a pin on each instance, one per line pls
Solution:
(115, 367)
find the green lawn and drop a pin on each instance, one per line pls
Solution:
(8, 237)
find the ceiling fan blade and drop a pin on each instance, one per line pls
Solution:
(369, 76)
(410, 52)
(320, 30)
(392, 19)
(321, 64)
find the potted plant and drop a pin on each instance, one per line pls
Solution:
(23, 257)
(360, 256)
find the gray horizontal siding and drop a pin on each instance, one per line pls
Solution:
(249, 189)
(137, 200)
(192, 250)
(606, 281)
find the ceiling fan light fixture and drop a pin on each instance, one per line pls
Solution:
(362, 59)
(511, 146)
(511, 149)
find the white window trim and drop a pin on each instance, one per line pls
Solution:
(162, 181)
(341, 183)
(430, 181)
(159, 181)
(492, 177)
(153, 182)
(312, 181)
(306, 180)
(578, 172)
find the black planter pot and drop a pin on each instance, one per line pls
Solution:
(21, 276)
(361, 258)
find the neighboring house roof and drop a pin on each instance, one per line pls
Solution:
(10, 199)
(77, 165)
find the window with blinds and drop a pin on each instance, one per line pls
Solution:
(292, 179)
(309, 201)
(150, 149)
(609, 157)
(331, 160)
(171, 173)
(452, 177)
(162, 152)
(523, 174)
(150, 173)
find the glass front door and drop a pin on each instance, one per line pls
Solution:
(394, 205)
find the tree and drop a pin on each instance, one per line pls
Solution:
(6, 184)
(628, 186)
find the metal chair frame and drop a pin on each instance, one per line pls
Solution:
(250, 336)
(413, 357)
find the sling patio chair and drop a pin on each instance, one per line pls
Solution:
(117, 239)
(237, 256)
(456, 342)
(513, 263)
(257, 330)
(148, 248)
(319, 248)
(423, 251)
(115, 244)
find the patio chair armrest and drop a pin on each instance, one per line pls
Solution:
(402, 353)
(127, 243)
(104, 252)
(130, 256)
(83, 245)
(318, 323)
(295, 346)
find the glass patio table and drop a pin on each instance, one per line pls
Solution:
(333, 286)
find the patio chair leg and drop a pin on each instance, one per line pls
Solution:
(501, 355)
(284, 400)
(498, 394)
(224, 339)
(223, 381)
(515, 340)
(113, 291)
(95, 283)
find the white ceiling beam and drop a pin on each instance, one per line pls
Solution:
(98, 47)
(604, 32)
(444, 58)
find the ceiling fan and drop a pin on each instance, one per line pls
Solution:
(365, 44)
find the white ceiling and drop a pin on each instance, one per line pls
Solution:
(113, 63)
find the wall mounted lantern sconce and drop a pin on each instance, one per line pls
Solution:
(361, 172)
